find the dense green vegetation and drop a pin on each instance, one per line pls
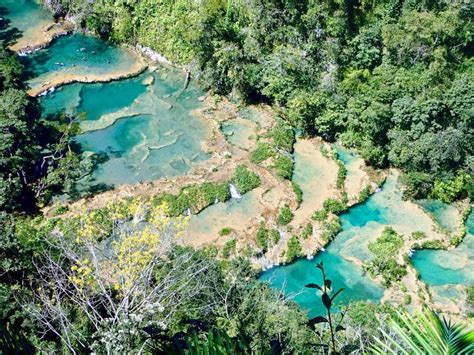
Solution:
(245, 180)
(35, 159)
(391, 78)
(385, 250)
(285, 216)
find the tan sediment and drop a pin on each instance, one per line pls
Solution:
(56, 79)
(357, 179)
(321, 187)
(40, 36)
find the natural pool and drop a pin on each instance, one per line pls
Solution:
(76, 56)
(446, 215)
(443, 267)
(360, 225)
(143, 126)
(238, 214)
(24, 15)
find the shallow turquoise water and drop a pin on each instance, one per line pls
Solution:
(442, 267)
(446, 215)
(76, 55)
(155, 135)
(360, 225)
(292, 278)
(24, 14)
(239, 132)
(94, 100)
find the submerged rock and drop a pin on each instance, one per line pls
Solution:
(148, 80)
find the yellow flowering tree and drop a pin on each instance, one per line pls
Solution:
(108, 270)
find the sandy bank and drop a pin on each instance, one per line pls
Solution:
(40, 36)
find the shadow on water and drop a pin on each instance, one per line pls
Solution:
(8, 34)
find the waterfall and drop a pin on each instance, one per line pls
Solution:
(234, 193)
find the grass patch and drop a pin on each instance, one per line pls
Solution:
(225, 231)
(285, 216)
(283, 166)
(245, 180)
(298, 192)
(262, 152)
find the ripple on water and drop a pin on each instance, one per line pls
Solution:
(159, 138)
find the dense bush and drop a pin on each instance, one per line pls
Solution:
(335, 206)
(298, 192)
(245, 180)
(392, 79)
(385, 250)
(283, 137)
(293, 249)
(262, 237)
(284, 166)
(285, 216)
(262, 152)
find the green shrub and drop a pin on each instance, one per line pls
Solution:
(229, 248)
(334, 206)
(274, 236)
(418, 235)
(284, 166)
(320, 215)
(450, 190)
(298, 192)
(341, 175)
(294, 249)
(262, 237)
(283, 137)
(433, 244)
(285, 216)
(388, 244)
(330, 229)
(407, 299)
(364, 194)
(327, 153)
(225, 231)
(245, 180)
(262, 152)
(385, 250)
(307, 231)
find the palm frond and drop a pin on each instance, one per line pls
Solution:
(425, 333)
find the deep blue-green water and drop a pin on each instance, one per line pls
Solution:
(24, 15)
(442, 267)
(360, 225)
(153, 133)
(76, 55)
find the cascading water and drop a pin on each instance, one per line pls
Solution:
(234, 193)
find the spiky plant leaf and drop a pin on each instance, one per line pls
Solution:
(425, 333)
